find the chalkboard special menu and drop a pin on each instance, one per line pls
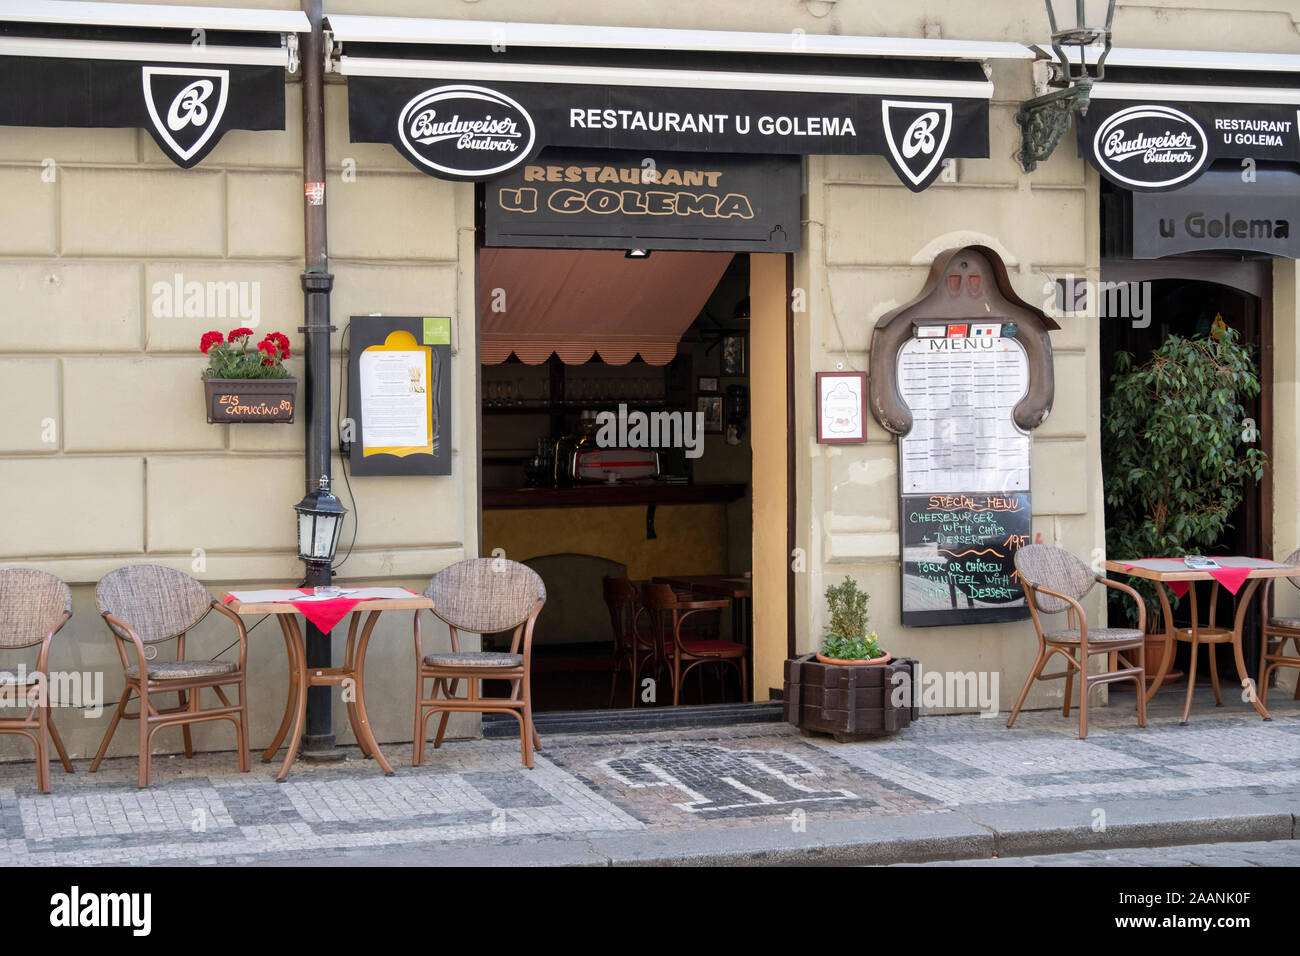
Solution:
(962, 374)
(958, 553)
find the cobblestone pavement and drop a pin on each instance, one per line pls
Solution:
(475, 791)
(1259, 853)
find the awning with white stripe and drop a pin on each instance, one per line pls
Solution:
(1159, 119)
(472, 99)
(186, 74)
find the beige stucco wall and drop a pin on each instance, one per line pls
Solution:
(130, 472)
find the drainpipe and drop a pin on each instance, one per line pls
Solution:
(318, 739)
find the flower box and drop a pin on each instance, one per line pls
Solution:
(849, 703)
(240, 400)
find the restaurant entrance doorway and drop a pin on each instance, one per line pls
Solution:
(1194, 298)
(632, 429)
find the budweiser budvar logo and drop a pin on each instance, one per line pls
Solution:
(466, 132)
(1150, 147)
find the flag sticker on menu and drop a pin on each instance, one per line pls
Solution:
(986, 331)
(956, 331)
(931, 331)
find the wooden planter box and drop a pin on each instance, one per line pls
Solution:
(236, 400)
(847, 702)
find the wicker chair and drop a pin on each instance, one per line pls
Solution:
(1055, 580)
(145, 605)
(33, 607)
(1279, 630)
(482, 596)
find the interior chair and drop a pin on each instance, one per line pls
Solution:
(670, 611)
(1055, 580)
(147, 605)
(34, 606)
(1276, 632)
(634, 640)
(481, 596)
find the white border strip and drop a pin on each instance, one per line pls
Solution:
(363, 29)
(72, 12)
(676, 79)
(148, 52)
(1189, 59)
(1189, 93)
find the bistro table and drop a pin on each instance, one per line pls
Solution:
(736, 588)
(353, 670)
(1179, 578)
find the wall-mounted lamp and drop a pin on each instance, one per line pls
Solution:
(1044, 119)
(320, 520)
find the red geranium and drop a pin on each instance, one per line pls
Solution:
(210, 339)
(240, 333)
(231, 357)
(282, 342)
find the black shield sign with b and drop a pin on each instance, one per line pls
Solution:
(917, 133)
(185, 108)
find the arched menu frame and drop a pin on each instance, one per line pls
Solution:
(963, 284)
(962, 374)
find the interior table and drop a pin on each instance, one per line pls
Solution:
(353, 670)
(1177, 576)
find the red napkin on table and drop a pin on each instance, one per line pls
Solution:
(1231, 578)
(1178, 587)
(325, 614)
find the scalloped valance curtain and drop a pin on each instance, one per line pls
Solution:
(579, 302)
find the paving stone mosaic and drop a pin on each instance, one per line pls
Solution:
(469, 793)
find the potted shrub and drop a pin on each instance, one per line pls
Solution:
(247, 385)
(1177, 455)
(852, 690)
(848, 642)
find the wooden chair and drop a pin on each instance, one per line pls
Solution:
(1055, 580)
(146, 605)
(634, 644)
(34, 606)
(1279, 629)
(482, 596)
(670, 611)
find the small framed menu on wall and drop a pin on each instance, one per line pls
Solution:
(841, 408)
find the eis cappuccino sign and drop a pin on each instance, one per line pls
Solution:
(1152, 147)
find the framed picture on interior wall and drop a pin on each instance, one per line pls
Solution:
(733, 354)
(841, 408)
(711, 407)
(707, 384)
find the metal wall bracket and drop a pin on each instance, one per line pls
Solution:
(1045, 119)
(291, 45)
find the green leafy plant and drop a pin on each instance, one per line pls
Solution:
(1176, 452)
(848, 638)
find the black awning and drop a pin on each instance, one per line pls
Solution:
(459, 111)
(187, 75)
(1152, 129)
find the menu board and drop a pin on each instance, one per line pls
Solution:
(964, 475)
(958, 558)
(961, 392)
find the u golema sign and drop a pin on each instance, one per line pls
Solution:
(1151, 147)
(1221, 211)
(476, 132)
(596, 199)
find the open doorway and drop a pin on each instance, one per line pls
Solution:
(615, 443)
(1193, 299)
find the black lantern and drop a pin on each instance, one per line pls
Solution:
(320, 521)
(1044, 119)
